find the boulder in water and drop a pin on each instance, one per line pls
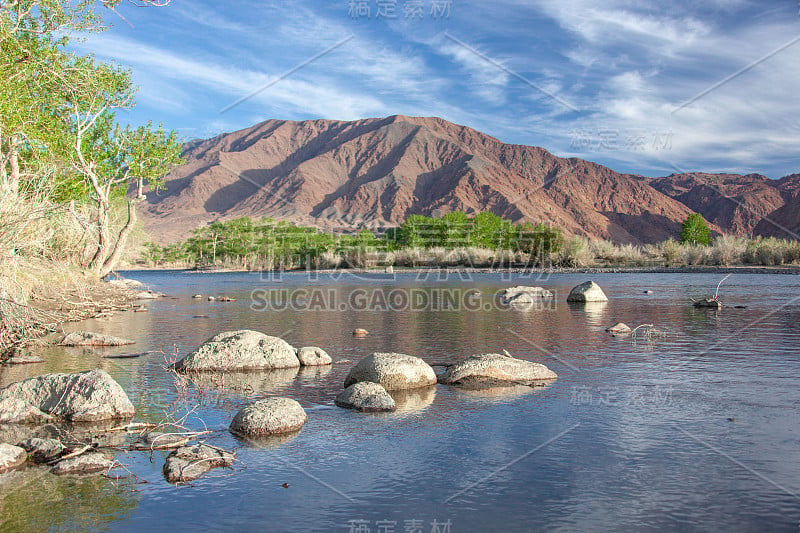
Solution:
(81, 397)
(88, 338)
(313, 356)
(367, 397)
(394, 371)
(241, 350)
(188, 463)
(587, 292)
(493, 370)
(273, 416)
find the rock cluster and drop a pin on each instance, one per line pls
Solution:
(246, 351)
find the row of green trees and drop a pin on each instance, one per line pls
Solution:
(58, 121)
(267, 243)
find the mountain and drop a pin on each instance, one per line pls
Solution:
(373, 173)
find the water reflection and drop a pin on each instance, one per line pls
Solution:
(594, 312)
(409, 401)
(628, 394)
(267, 442)
(35, 500)
(269, 381)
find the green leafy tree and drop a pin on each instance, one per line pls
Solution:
(486, 230)
(694, 230)
(57, 109)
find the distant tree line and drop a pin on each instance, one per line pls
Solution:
(270, 244)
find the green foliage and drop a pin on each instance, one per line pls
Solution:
(694, 230)
(57, 119)
(268, 244)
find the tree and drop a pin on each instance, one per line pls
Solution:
(58, 107)
(694, 230)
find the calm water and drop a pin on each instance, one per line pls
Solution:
(635, 434)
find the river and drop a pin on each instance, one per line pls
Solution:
(692, 424)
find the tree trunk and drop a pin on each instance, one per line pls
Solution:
(119, 247)
(13, 162)
(103, 237)
(9, 176)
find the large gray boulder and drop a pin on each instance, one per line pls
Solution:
(11, 457)
(190, 462)
(522, 294)
(394, 371)
(313, 356)
(241, 350)
(81, 397)
(88, 463)
(493, 369)
(588, 291)
(273, 416)
(88, 338)
(367, 397)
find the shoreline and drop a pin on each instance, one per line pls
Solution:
(699, 269)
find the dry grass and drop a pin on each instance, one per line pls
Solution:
(41, 281)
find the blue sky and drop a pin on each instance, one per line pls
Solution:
(642, 86)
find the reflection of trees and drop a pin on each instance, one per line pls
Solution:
(36, 500)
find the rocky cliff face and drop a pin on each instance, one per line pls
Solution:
(375, 172)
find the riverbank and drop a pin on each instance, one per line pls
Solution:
(38, 296)
(698, 269)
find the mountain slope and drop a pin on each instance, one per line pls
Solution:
(375, 172)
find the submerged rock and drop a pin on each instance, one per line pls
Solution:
(492, 370)
(155, 440)
(273, 416)
(619, 327)
(522, 294)
(394, 371)
(88, 463)
(149, 295)
(711, 302)
(81, 397)
(88, 338)
(240, 350)
(23, 359)
(313, 356)
(587, 292)
(11, 457)
(43, 450)
(190, 462)
(367, 397)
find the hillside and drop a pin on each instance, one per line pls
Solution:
(375, 172)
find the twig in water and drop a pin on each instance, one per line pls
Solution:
(718, 285)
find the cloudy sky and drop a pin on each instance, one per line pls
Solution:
(642, 86)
